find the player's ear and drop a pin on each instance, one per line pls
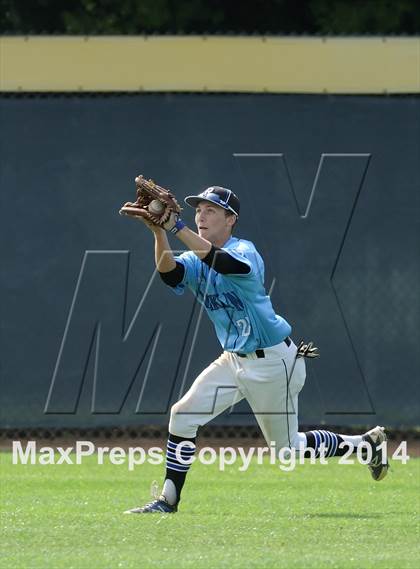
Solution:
(232, 218)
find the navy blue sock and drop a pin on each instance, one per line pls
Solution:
(331, 442)
(176, 470)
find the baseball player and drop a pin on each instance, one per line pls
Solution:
(259, 362)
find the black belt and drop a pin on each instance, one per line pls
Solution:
(260, 353)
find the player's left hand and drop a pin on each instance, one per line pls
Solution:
(154, 203)
(170, 224)
(133, 214)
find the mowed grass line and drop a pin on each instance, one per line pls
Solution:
(70, 516)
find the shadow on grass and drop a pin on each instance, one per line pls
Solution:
(345, 516)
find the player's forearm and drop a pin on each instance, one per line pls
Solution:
(164, 257)
(194, 242)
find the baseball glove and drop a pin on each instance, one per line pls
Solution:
(307, 350)
(153, 203)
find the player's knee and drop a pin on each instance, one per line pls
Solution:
(176, 409)
(181, 423)
(178, 415)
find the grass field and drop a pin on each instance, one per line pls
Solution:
(70, 516)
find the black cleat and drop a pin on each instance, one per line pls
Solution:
(159, 506)
(375, 437)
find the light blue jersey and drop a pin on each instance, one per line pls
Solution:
(238, 305)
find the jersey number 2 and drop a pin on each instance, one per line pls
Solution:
(244, 326)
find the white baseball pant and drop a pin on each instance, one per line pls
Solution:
(271, 385)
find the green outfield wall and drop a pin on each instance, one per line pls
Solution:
(329, 187)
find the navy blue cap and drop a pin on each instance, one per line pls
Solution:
(220, 196)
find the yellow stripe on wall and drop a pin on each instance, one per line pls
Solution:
(212, 63)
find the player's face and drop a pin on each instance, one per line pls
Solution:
(212, 223)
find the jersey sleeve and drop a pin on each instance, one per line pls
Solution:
(247, 255)
(222, 262)
(187, 260)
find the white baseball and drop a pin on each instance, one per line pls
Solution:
(156, 206)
